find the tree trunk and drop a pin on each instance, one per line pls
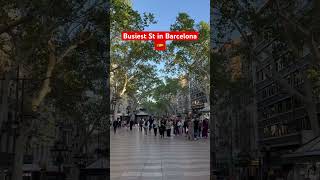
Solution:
(254, 109)
(132, 117)
(4, 104)
(2, 174)
(189, 93)
(17, 170)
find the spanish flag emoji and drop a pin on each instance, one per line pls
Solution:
(160, 45)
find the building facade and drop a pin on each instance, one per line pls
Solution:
(283, 119)
(198, 96)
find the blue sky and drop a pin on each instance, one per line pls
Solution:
(166, 11)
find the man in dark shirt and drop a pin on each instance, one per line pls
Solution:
(115, 124)
(131, 124)
(196, 128)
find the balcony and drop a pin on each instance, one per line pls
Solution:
(282, 141)
(289, 116)
(299, 65)
(272, 99)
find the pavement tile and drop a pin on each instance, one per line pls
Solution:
(135, 156)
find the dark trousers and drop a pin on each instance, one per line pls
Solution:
(115, 129)
(140, 128)
(155, 131)
(176, 130)
(195, 133)
(131, 127)
(168, 132)
(161, 132)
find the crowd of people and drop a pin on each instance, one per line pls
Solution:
(192, 128)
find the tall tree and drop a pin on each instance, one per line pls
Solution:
(191, 58)
(53, 31)
(130, 60)
(291, 24)
(164, 95)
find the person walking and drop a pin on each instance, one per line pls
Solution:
(155, 127)
(141, 122)
(119, 123)
(162, 128)
(176, 127)
(115, 125)
(196, 128)
(185, 126)
(146, 125)
(180, 126)
(150, 123)
(131, 125)
(205, 125)
(168, 127)
(200, 128)
(190, 129)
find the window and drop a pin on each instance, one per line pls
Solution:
(260, 76)
(297, 103)
(288, 104)
(266, 131)
(273, 130)
(264, 93)
(280, 109)
(305, 123)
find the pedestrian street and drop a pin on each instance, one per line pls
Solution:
(136, 156)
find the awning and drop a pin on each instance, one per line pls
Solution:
(308, 152)
(206, 109)
(142, 113)
(35, 167)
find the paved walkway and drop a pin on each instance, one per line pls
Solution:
(135, 156)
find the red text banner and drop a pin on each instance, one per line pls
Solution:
(160, 37)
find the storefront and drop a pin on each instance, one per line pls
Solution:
(305, 161)
(141, 115)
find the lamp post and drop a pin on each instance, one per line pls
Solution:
(60, 153)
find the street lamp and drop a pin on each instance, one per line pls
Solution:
(60, 153)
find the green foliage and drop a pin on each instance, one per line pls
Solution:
(132, 70)
(188, 56)
(162, 96)
(65, 24)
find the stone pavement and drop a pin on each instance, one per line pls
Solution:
(135, 156)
